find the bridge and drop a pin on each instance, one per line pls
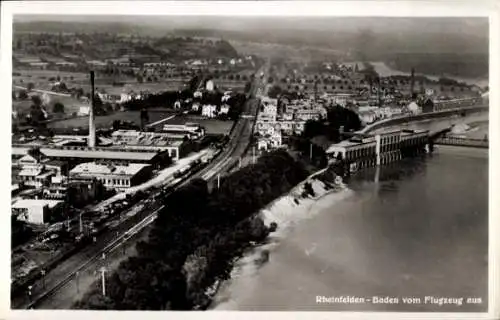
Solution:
(450, 115)
(462, 142)
(439, 124)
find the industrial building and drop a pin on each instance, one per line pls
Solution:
(74, 155)
(36, 211)
(113, 176)
(363, 151)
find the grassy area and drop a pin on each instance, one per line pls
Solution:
(40, 79)
(106, 121)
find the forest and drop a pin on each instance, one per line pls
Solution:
(193, 244)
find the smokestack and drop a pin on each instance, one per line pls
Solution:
(412, 83)
(91, 142)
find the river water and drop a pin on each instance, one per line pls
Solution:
(413, 229)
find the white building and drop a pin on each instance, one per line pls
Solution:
(209, 85)
(368, 116)
(177, 104)
(269, 141)
(84, 111)
(209, 111)
(119, 177)
(124, 97)
(224, 109)
(413, 108)
(195, 106)
(35, 211)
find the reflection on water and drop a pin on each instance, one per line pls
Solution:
(420, 230)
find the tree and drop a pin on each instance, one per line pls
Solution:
(23, 95)
(275, 91)
(30, 86)
(140, 79)
(58, 107)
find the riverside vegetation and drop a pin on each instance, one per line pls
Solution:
(196, 238)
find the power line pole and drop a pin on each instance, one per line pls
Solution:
(81, 223)
(310, 151)
(218, 181)
(77, 282)
(253, 154)
(103, 274)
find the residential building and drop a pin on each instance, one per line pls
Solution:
(269, 141)
(84, 111)
(224, 109)
(209, 111)
(114, 176)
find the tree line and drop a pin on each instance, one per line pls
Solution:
(193, 243)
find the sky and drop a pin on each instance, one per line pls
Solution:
(470, 26)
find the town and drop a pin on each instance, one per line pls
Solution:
(102, 133)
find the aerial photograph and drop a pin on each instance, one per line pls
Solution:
(249, 163)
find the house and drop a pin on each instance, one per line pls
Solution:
(115, 176)
(209, 85)
(224, 109)
(84, 111)
(209, 111)
(269, 141)
(124, 97)
(36, 170)
(413, 108)
(368, 116)
(36, 211)
(195, 107)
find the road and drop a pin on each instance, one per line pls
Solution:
(57, 281)
(45, 91)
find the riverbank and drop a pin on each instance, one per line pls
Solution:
(286, 212)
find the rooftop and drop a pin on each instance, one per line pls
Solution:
(128, 155)
(28, 203)
(96, 168)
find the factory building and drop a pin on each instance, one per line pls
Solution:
(36, 211)
(363, 151)
(157, 157)
(113, 176)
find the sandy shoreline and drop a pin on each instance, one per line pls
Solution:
(286, 213)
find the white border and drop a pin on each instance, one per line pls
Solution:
(257, 8)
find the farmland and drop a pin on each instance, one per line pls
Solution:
(40, 80)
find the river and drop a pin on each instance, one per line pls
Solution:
(413, 229)
(385, 71)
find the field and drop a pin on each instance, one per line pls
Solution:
(212, 126)
(40, 79)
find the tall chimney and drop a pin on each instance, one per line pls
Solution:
(412, 83)
(91, 141)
